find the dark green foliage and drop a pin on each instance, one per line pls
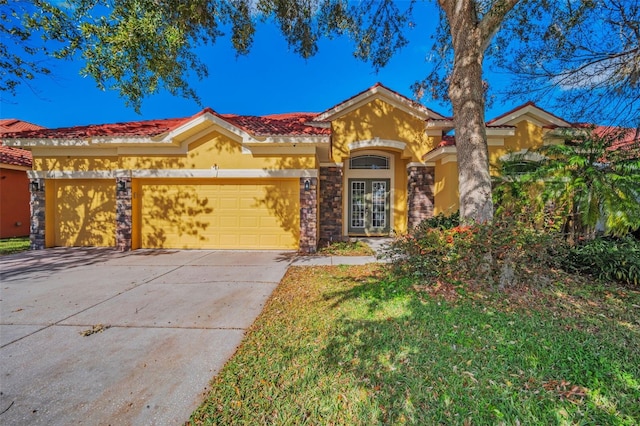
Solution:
(508, 252)
(141, 47)
(440, 221)
(20, 53)
(576, 185)
(607, 259)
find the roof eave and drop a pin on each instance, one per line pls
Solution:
(302, 139)
(528, 108)
(439, 153)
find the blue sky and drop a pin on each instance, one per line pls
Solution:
(271, 79)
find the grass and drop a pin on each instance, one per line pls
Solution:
(346, 248)
(352, 346)
(14, 245)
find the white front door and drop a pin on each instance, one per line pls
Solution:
(369, 206)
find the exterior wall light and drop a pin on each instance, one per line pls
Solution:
(307, 185)
(35, 186)
(122, 186)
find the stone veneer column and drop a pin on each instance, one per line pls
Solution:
(308, 215)
(123, 214)
(420, 194)
(331, 191)
(37, 226)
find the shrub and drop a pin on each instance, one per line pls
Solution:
(502, 253)
(607, 259)
(440, 221)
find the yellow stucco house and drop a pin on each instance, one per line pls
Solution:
(375, 164)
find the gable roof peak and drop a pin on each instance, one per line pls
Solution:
(379, 91)
(528, 108)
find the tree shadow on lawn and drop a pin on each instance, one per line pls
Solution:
(425, 360)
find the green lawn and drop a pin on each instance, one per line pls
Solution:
(349, 346)
(14, 245)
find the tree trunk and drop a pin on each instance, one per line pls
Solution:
(467, 98)
(472, 27)
(466, 92)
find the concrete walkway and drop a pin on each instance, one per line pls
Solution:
(378, 244)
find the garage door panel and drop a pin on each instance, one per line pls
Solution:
(247, 203)
(228, 203)
(225, 214)
(249, 240)
(85, 213)
(250, 222)
(269, 240)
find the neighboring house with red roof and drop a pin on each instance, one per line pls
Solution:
(375, 164)
(624, 140)
(14, 183)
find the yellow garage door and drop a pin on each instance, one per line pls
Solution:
(85, 213)
(220, 214)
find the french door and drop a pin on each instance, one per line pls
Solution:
(369, 206)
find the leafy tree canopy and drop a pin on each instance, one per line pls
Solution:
(138, 47)
(584, 55)
(554, 49)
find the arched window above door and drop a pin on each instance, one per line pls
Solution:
(369, 162)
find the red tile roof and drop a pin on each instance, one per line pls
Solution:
(625, 141)
(277, 124)
(132, 129)
(15, 156)
(447, 140)
(294, 124)
(9, 125)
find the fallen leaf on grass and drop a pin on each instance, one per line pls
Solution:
(565, 390)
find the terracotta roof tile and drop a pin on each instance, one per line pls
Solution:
(625, 139)
(8, 125)
(277, 124)
(131, 129)
(295, 124)
(15, 156)
(447, 140)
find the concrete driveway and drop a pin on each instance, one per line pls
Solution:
(173, 317)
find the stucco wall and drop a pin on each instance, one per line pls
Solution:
(14, 202)
(446, 188)
(214, 150)
(377, 119)
(527, 135)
